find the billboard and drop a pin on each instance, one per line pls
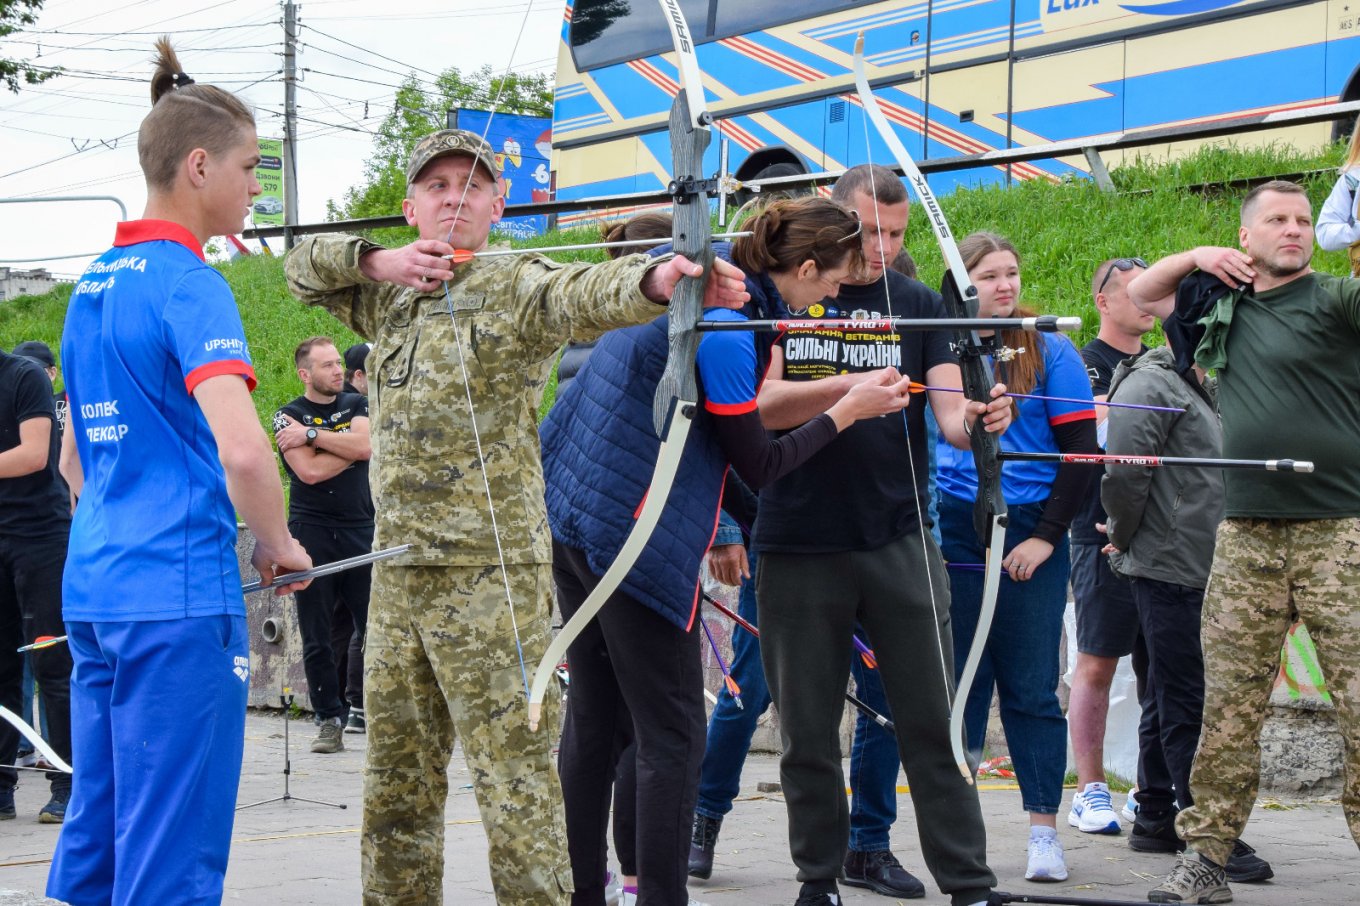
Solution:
(522, 145)
(268, 207)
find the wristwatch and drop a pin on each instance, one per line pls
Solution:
(311, 436)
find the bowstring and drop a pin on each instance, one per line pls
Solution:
(923, 508)
(467, 385)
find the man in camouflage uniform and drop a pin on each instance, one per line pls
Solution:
(459, 361)
(1286, 344)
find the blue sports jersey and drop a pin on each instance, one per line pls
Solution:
(1031, 432)
(154, 536)
(727, 366)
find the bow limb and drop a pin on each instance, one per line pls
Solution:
(34, 737)
(677, 392)
(960, 300)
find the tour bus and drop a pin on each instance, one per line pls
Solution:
(952, 76)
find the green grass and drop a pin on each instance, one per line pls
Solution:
(1062, 231)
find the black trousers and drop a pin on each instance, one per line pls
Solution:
(634, 674)
(809, 604)
(30, 606)
(1173, 695)
(316, 608)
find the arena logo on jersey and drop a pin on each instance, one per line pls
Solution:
(231, 344)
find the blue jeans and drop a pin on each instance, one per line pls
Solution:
(1021, 657)
(874, 761)
(730, 728)
(874, 764)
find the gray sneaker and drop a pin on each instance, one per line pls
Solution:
(329, 738)
(1193, 880)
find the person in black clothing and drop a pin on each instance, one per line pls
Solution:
(323, 439)
(35, 523)
(356, 374)
(842, 539)
(1107, 621)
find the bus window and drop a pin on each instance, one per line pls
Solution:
(616, 31)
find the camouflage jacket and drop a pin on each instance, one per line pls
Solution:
(512, 314)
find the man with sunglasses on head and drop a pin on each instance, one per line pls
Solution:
(1107, 623)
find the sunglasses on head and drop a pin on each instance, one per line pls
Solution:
(1123, 264)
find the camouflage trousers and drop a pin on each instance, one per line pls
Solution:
(440, 664)
(1267, 574)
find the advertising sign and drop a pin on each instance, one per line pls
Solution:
(268, 207)
(522, 145)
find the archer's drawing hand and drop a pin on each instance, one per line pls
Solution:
(420, 265)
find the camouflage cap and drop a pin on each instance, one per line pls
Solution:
(451, 141)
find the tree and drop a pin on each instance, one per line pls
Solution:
(14, 16)
(418, 111)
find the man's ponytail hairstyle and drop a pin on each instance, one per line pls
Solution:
(185, 115)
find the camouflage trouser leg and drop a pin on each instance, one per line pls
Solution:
(441, 659)
(1266, 574)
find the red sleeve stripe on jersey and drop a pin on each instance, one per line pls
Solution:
(1072, 417)
(213, 369)
(730, 408)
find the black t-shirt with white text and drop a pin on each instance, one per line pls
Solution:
(343, 501)
(1101, 360)
(858, 493)
(37, 504)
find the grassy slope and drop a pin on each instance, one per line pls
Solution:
(1062, 232)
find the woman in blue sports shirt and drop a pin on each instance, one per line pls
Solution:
(1021, 657)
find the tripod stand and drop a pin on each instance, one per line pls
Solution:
(287, 699)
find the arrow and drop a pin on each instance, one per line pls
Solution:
(1116, 459)
(462, 256)
(43, 641)
(921, 388)
(859, 706)
(326, 569)
(1042, 324)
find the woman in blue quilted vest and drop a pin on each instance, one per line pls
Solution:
(636, 670)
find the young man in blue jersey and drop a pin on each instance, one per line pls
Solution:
(170, 452)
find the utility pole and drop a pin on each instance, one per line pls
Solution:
(290, 203)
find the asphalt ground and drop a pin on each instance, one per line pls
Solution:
(298, 852)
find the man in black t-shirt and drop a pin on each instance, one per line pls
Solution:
(1107, 621)
(35, 523)
(841, 539)
(323, 439)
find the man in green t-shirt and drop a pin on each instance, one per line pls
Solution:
(1284, 342)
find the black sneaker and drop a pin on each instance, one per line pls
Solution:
(882, 873)
(1245, 866)
(356, 722)
(7, 812)
(814, 894)
(54, 812)
(702, 840)
(1155, 832)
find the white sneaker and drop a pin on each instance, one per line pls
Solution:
(1092, 812)
(1130, 810)
(613, 889)
(1045, 856)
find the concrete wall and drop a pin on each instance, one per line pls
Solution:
(1301, 745)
